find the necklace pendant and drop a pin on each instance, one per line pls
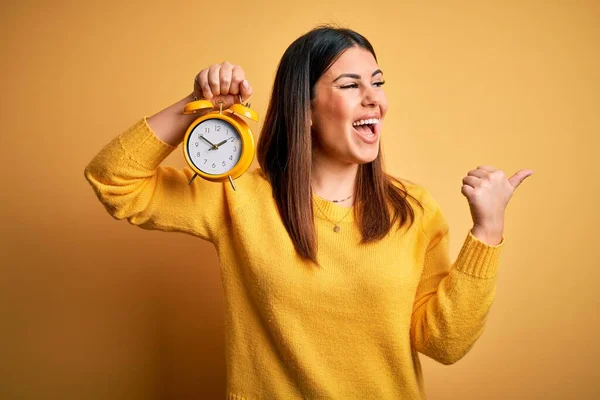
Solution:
(336, 229)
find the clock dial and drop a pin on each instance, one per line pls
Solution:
(214, 146)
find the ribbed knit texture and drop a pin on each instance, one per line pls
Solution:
(351, 329)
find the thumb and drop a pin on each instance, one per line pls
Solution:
(519, 177)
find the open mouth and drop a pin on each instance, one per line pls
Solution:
(366, 128)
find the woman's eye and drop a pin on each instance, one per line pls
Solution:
(355, 85)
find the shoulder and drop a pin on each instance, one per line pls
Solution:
(252, 182)
(430, 216)
(258, 178)
(417, 191)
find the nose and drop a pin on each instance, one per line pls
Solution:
(370, 97)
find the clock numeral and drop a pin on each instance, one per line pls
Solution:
(198, 154)
(217, 128)
(206, 130)
(214, 165)
(231, 158)
(223, 163)
(234, 148)
(205, 161)
(196, 144)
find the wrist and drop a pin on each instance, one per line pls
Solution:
(170, 124)
(492, 236)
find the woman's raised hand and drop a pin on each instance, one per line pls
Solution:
(222, 83)
(488, 191)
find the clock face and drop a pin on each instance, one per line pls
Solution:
(214, 146)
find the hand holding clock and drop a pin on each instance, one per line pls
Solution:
(215, 108)
(222, 83)
(219, 93)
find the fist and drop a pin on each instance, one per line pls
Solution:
(224, 83)
(488, 192)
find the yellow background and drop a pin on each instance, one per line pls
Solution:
(94, 308)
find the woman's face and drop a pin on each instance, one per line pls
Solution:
(348, 109)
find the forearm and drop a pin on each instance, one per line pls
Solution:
(452, 302)
(170, 124)
(447, 323)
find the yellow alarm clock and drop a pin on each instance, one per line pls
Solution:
(219, 145)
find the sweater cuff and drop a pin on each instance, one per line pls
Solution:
(143, 146)
(479, 259)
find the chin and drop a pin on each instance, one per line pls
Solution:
(366, 157)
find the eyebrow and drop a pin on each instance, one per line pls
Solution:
(356, 76)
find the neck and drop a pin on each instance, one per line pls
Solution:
(332, 180)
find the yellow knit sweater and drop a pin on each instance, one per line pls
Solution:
(349, 330)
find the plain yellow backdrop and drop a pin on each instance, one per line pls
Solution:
(94, 308)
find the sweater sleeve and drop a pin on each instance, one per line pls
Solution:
(452, 300)
(128, 180)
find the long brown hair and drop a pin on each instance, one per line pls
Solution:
(285, 147)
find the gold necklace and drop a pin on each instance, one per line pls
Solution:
(336, 227)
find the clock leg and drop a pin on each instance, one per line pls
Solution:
(192, 180)
(231, 181)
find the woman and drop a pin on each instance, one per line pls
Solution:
(335, 274)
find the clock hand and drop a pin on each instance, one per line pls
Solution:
(213, 146)
(222, 143)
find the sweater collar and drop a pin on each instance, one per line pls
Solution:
(333, 211)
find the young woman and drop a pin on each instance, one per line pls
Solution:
(336, 275)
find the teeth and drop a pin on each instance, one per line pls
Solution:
(369, 121)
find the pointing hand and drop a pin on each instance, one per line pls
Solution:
(488, 191)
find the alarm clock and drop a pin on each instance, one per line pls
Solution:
(219, 145)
